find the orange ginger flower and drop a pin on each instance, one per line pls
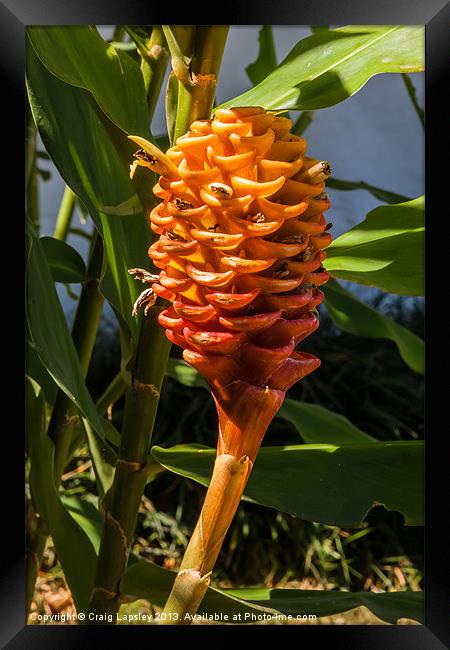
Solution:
(241, 238)
(240, 251)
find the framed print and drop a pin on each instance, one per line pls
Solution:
(224, 323)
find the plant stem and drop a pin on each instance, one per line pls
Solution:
(113, 392)
(153, 66)
(303, 121)
(413, 96)
(65, 214)
(122, 504)
(227, 484)
(245, 412)
(84, 331)
(195, 101)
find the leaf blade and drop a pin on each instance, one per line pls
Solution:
(353, 316)
(266, 61)
(328, 67)
(317, 424)
(385, 250)
(352, 478)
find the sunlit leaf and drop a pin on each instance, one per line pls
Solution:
(330, 66)
(79, 56)
(88, 162)
(386, 250)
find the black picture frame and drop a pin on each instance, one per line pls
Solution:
(15, 15)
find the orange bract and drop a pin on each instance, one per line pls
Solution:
(241, 245)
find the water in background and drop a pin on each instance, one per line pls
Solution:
(373, 136)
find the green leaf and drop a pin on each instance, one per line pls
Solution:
(79, 56)
(382, 195)
(152, 582)
(352, 315)
(72, 544)
(37, 371)
(332, 484)
(388, 607)
(266, 60)
(317, 424)
(185, 374)
(87, 517)
(89, 163)
(328, 67)
(386, 250)
(66, 264)
(53, 343)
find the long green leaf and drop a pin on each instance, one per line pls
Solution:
(266, 60)
(79, 56)
(86, 159)
(55, 347)
(386, 250)
(333, 484)
(72, 544)
(317, 424)
(353, 316)
(328, 67)
(87, 516)
(152, 582)
(388, 607)
(382, 195)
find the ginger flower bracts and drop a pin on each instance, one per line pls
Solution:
(240, 250)
(241, 245)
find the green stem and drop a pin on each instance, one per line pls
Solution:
(122, 504)
(65, 214)
(304, 120)
(196, 100)
(413, 96)
(153, 66)
(84, 331)
(112, 394)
